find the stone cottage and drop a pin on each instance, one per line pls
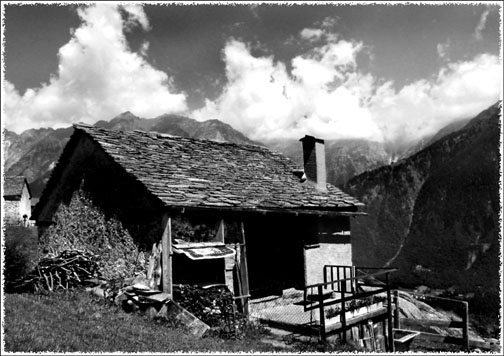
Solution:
(227, 213)
(16, 200)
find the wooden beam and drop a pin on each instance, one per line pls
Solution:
(243, 270)
(166, 255)
(408, 322)
(465, 325)
(220, 232)
(336, 327)
(457, 341)
(264, 211)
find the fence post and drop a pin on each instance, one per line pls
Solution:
(465, 328)
(397, 322)
(322, 313)
(354, 281)
(389, 316)
(343, 313)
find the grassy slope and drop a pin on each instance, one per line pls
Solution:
(75, 322)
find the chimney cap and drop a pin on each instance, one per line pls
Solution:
(309, 138)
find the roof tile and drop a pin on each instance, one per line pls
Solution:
(189, 172)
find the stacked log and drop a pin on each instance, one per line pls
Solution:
(70, 269)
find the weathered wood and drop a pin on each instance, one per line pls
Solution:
(166, 255)
(408, 322)
(457, 341)
(397, 321)
(465, 325)
(220, 232)
(243, 271)
(374, 314)
(389, 315)
(343, 312)
(322, 314)
(439, 338)
(183, 317)
(159, 297)
(198, 244)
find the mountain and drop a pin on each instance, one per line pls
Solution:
(345, 158)
(179, 126)
(34, 153)
(435, 214)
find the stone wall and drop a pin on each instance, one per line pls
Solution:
(11, 212)
(325, 254)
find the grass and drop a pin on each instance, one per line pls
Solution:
(77, 322)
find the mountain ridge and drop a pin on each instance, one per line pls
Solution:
(416, 208)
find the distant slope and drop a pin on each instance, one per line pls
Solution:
(437, 209)
(345, 158)
(179, 126)
(34, 153)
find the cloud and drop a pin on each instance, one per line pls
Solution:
(442, 49)
(326, 95)
(98, 77)
(460, 90)
(481, 25)
(321, 96)
(311, 34)
(324, 30)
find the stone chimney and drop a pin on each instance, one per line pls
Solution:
(314, 161)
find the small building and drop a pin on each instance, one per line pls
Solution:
(259, 223)
(16, 200)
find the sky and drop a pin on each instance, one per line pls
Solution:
(386, 72)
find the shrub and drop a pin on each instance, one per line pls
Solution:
(83, 226)
(214, 306)
(20, 253)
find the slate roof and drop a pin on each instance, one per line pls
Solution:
(188, 172)
(13, 186)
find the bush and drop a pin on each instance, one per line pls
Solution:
(83, 226)
(214, 306)
(20, 253)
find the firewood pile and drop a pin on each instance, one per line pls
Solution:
(70, 269)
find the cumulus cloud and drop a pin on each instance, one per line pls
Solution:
(324, 30)
(326, 95)
(321, 96)
(460, 90)
(311, 34)
(98, 77)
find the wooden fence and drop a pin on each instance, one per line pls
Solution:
(458, 306)
(342, 285)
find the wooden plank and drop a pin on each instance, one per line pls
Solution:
(220, 232)
(198, 244)
(322, 314)
(159, 297)
(408, 322)
(303, 329)
(465, 325)
(440, 338)
(166, 255)
(183, 317)
(374, 314)
(389, 315)
(243, 270)
(397, 320)
(458, 341)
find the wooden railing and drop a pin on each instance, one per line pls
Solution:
(451, 304)
(342, 285)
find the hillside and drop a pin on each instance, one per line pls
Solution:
(435, 214)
